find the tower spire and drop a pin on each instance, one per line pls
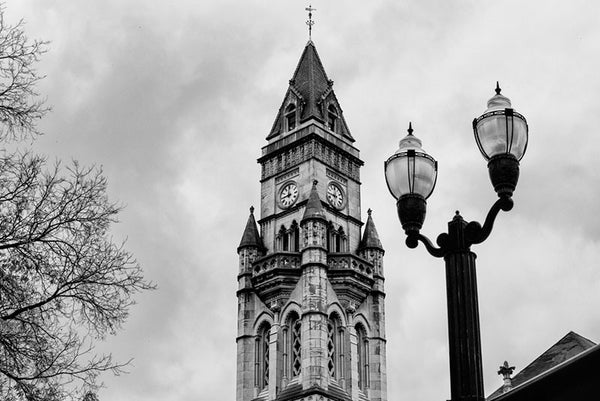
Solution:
(370, 237)
(314, 210)
(251, 237)
(310, 21)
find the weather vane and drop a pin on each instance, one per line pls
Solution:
(310, 21)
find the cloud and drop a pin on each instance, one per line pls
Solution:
(175, 102)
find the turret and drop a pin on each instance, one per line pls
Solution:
(370, 247)
(250, 247)
(314, 292)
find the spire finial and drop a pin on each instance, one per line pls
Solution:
(310, 21)
(410, 130)
(505, 370)
(369, 211)
(251, 209)
(498, 88)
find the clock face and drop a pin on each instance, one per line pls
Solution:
(335, 196)
(288, 194)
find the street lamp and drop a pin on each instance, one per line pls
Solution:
(501, 135)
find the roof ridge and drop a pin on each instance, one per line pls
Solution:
(557, 354)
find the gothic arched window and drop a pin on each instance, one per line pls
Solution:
(261, 360)
(335, 347)
(280, 239)
(294, 237)
(294, 345)
(290, 116)
(289, 240)
(363, 357)
(332, 115)
(336, 239)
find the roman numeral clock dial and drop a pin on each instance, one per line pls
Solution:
(335, 196)
(288, 195)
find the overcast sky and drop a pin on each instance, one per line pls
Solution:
(175, 98)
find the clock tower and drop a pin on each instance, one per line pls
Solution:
(310, 296)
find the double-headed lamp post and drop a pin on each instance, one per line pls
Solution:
(501, 135)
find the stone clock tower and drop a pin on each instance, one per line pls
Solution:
(311, 298)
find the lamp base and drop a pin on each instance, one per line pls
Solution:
(411, 211)
(504, 174)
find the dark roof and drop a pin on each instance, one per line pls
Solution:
(310, 80)
(575, 379)
(251, 237)
(566, 348)
(294, 391)
(370, 237)
(312, 87)
(314, 208)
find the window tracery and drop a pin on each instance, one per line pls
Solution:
(331, 345)
(296, 346)
(337, 241)
(261, 360)
(363, 357)
(335, 347)
(288, 240)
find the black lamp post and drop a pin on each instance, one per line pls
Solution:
(501, 135)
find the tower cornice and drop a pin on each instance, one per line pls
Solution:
(304, 133)
(306, 144)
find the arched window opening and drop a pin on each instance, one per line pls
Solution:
(363, 357)
(290, 116)
(288, 240)
(261, 360)
(295, 345)
(295, 237)
(335, 347)
(331, 345)
(336, 240)
(341, 245)
(280, 244)
(332, 117)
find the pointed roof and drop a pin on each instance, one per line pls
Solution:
(251, 237)
(310, 80)
(311, 86)
(314, 208)
(370, 237)
(566, 348)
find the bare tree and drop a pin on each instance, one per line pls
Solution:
(90, 396)
(19, 107)
(64, 283)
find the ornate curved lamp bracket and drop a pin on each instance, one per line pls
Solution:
(412, 240)
(475, 233)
